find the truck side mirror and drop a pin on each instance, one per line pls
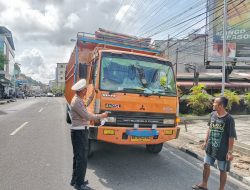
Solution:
(83, 70)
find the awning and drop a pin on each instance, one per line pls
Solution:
(215, 84)
(4, 82)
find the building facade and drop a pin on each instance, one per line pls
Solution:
(7, 69)
(188, 53)
(52, 85)
(60, 75)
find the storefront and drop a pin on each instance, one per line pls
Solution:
(4, 85)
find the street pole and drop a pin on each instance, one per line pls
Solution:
(206, 35)
(224, 47)
(14, 82)
(168, 45)
(176, 60)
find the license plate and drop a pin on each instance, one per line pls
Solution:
(109, 132)
(169, 132)
(140, 139)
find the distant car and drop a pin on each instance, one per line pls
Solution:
(37, 95)
(20, 95)
(59, 94)
(49, 94)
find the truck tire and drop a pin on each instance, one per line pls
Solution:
(154, 148)
(68, 120)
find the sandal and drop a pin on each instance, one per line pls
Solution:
(199, 187)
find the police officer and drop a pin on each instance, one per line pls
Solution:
(79, 135)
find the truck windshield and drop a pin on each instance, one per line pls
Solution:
(136, 74)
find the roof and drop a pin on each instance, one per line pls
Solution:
(8, 34)
(213, 80)
(108, 38)
(134, 53)
(216, 85)
(234, 76)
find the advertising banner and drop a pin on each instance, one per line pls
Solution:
(238, 29)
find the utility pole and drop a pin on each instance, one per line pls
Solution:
(168, 44)
(206, 35)
(14, 78)
(224, 47)
(176, 61)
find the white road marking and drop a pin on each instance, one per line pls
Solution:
(19, 128)
(40, 110)
(193, 165)
(182, 159)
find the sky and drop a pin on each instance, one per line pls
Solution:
(42, 29)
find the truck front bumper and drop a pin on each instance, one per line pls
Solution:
(124, 135)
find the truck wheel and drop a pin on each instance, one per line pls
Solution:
(154, 148)
(68, 120)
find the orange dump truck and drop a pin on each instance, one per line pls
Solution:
(130, 80)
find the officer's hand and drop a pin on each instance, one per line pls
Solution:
(104, 115)
(203, 146)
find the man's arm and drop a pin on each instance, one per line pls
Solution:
(206, 140)
(232, 136)
(230, 148)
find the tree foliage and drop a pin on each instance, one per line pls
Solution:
(199, 100)
(247, 99)
(232, 97)
(17, 69)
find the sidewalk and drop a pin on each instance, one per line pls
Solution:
(5, 101)
(193, 132)
(198, 129)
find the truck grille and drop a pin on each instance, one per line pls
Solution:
(146, 120)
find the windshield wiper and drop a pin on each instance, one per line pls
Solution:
(132, 90)
(161, 93)
(166, 92)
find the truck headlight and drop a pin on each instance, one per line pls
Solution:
(168, 121)
(111, 119)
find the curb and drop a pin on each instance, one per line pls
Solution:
(7, 101)
(231, 173)
(3, 102)
(206, 117)
(238, 147)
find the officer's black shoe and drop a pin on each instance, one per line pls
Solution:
(82, 187)
(72, 183)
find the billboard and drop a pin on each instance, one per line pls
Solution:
(238, 30)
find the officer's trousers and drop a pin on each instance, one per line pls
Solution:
(79, 140)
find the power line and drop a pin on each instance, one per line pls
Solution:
(185, 29)
(115, 13)
(172, 19)
(218, 22)
(210, 22)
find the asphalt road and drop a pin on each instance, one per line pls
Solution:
(36, 154)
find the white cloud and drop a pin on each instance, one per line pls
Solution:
(42, 29)
(125, 13)
(20, 15)
(71, 20)
(33, 64)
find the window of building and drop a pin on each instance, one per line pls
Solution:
(61, 78)
(61, 72)
(61, 66)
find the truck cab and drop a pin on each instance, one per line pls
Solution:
(137, 87)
